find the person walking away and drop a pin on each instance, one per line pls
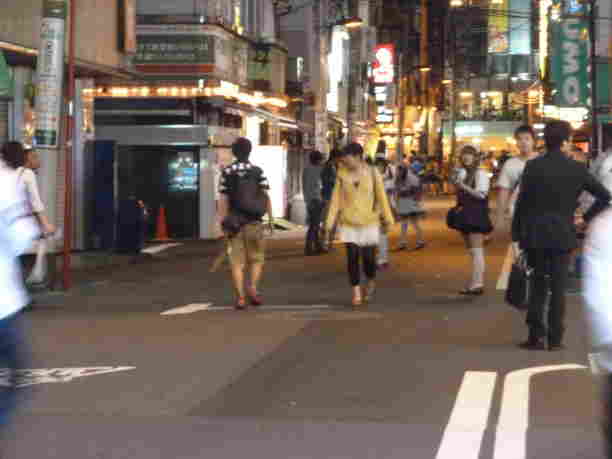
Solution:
(472, 184)
(18, 230)
(328, 179)
(597, 292)
(385, 169)
(312, 188)
(243, 202)
(360, 205)
(510, 176)
(27, 173)
(543, 225)
(409, 204)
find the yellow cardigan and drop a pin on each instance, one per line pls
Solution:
(355, 205)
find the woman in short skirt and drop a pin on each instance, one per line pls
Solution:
(360, 206)
(472, 184)
(409, 194)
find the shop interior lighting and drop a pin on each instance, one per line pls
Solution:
(351, 23)
(425, 69)
(455, 3)
(465, 94)
(447, 81)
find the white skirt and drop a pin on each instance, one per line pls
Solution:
(363, 236)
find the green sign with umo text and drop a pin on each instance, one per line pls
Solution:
(6, 82)
(570, 61)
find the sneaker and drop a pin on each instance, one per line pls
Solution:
(420, 245)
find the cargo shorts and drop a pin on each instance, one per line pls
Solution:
(248, 246)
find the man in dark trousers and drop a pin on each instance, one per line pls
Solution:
(543, 225)
(312, 187)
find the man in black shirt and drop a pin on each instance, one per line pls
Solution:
(245, 244)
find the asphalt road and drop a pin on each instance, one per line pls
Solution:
(421, 373)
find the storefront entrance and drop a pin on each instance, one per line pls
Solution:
(163, 176)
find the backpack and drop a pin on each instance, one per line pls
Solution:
(248, 197)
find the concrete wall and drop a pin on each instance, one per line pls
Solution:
(97, 28)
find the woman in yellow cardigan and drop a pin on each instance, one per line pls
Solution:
(360, 206)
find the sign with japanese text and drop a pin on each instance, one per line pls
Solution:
(50, 72)
(6, 82)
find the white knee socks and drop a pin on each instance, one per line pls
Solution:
(478, 267)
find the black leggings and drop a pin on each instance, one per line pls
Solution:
(354, 254)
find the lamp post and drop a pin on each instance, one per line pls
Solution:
(594, 95)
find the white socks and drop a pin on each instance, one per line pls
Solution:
(478, 267)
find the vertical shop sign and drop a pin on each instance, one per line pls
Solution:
(498, 28)
(50, 73)
(6, 82)
(520, 26)
(570, 61)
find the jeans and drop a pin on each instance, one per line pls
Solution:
(550, 274)
(13, 357)
(315, 212)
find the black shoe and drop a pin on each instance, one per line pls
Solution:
(533, 345)
(472, 291)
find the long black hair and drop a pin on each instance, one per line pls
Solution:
(14, 155)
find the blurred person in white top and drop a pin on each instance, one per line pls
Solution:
(27, 172)
(510, 176)
(18, 229)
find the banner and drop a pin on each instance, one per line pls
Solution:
(498, 28)
(520, 27)
(6, 82)
(50, 71)
(570, 61)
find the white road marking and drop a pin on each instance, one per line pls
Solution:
(468, 421)
(511, 433)
(291, 307)
(502, 282)
(159, 248)
(31, 377)
(189, 309)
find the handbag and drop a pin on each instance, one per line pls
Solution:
(520, 284)
(455, 218)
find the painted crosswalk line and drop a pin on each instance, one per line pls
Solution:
(31, 377)
(465, 430)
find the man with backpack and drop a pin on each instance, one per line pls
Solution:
(244, 202)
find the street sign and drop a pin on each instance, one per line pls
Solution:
(570, 61)
(50, 73)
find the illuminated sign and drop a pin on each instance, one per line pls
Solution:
(570, 61)
(383, 69)
(381, 93)
(384, 116)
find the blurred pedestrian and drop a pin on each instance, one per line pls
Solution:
(543, 225)
(360, 205)
(243, 203)
(18, 230)
(328, 179)
(312, 186)
(409, 192)
(473, 186)
(385, 169)
(598, 302)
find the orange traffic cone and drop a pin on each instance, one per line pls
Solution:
(161, 232)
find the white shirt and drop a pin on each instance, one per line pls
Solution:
(482, 178)
(511, 173)
(28, 178)
(17, 232)
(603, 171)
(597, 285)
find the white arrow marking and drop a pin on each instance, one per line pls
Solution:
(159, 248)
(189, 309)
(468, 421)
(511, 434)
(55, 375)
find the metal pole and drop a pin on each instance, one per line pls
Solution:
(453, 86)
(594, 115)
(402, 108)
(68, 145)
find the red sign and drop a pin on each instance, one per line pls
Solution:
(384, 64)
